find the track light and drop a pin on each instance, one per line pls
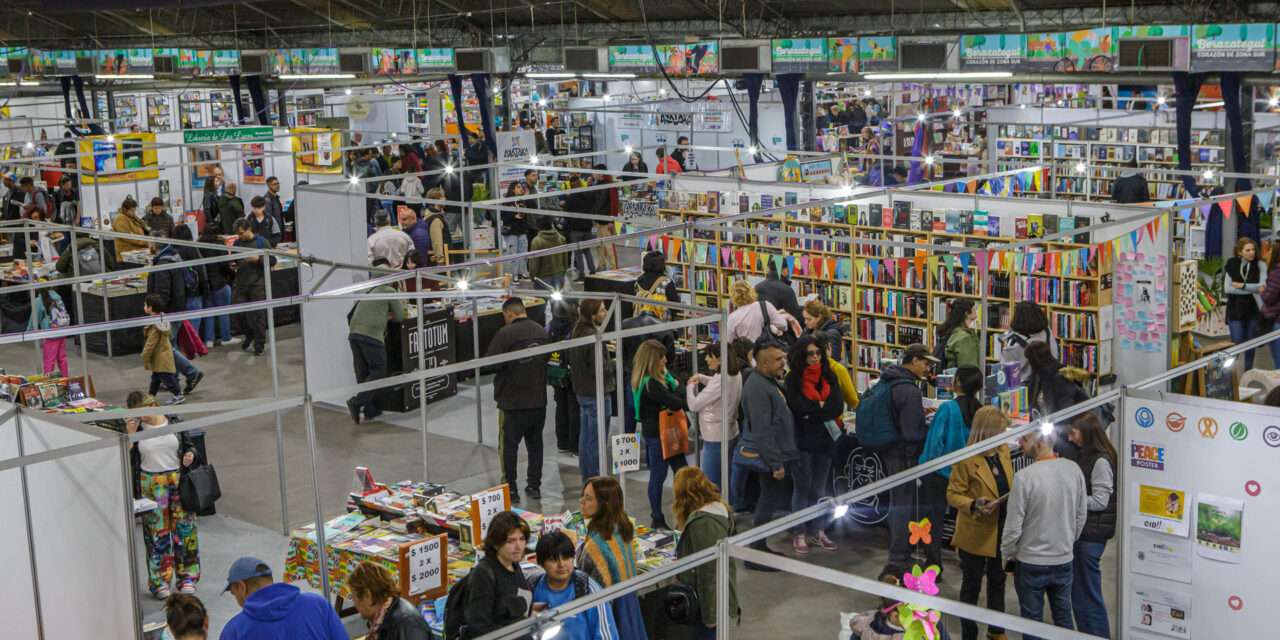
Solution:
(448, 168)
(1022, 106)
(111, 137)
(1081, 167)
(958, 113)
(1274, 101)
(1228, 362)
(533, 159)
(557, 296)
(355, 180)
(929, 160)
(628, 148)
(1046, 428)
(922, 116)
(550, 631)
(752, 150)
(840, 511)
(29, 145)
(1161, 100)
(542, 102)
(662, 92)
(463, 285)
(607, 97)
(1208, 174)
(866, 93)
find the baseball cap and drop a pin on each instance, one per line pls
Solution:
(244, 569)
(917, 351)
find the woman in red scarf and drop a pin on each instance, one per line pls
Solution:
(813, 394)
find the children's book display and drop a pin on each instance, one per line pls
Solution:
(51, 393)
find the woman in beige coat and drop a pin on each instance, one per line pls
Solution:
(978, 490)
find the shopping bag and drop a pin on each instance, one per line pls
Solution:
(198, 488)
(673, 431)
(190, 343)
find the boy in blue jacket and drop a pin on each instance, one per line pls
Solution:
(276, 610)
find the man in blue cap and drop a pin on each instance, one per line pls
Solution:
(276, 610)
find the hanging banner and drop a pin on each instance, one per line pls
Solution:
(229, 135)
(438, 59)
(316, 150)
(128, 157)
(393, 62)
(1233, 47)
(1154, 31)
(514, 148)
(1046, 52)
(842, 55)
(206, 62)
(702, 58)
(1090, 50)
(799, 55)
(119, 62)
(993, 51)
(633, 58)
(815, 171)
(304, 61)
(54, 62)
(877, 53)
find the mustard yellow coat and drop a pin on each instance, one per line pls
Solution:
(971, 479)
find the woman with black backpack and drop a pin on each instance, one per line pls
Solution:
(1049, 389)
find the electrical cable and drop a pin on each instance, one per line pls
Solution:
(653, 49)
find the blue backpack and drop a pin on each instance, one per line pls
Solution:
(876, 420)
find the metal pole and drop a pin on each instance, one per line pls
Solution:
(475, 346)
(75, 271)
(31, 544)
(309, 418)
(126, 478)
(602, 427)
(693, 371)
(422, 382)
(1121, 490)
(621, 390)
(724, 405)
(106, 299)
(275, 394)
(723, 563)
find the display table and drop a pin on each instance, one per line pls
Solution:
(621, 281)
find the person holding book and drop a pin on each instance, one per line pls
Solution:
(977, 490)
(608, 552)
(169, 530)
(948, 432)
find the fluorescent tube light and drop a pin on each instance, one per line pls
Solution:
(550, 76)
(23, 83)
(318, 76)
(608, 76)
(947, 75)
(125, 76)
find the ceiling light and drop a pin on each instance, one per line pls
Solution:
(318, 76)
(21, 83)
(1022, 106)
(125, 76)
(355, 180)
(609, 76)
(1208, 174)
(946, 75)
(393, 135)
(550, 76)
(752, 150)
(1081, 167)
(347, 91)
(606, 97)
(463, 285)
(866, 93)
(30, 145)
(1210, 105)
(662, 92)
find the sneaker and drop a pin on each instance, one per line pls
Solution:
(258, 351)
(187, 587)
(245, 345)
(823, 541)
(192, 381)
(353, 408)
(217, 343)
(232, 340)
(515, 498)
(161, 593)
(178, 399)
(533, 492)
(799, 544)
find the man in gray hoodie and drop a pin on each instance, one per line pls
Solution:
(768, 430)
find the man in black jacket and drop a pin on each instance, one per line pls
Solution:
(777, 291)
(908, 408)
(171, 285)
(275, 206)
(520, 390)
(581, 229)
(1131, 186)
(250, 286)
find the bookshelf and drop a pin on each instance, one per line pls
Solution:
(419, 108)
(126, 112)
(191, 111)
(893, 296)
(303, 110)
(1107, 150)
(159, 113)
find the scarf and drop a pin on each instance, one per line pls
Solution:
(377, 620)
(813, 384)
(671, 381)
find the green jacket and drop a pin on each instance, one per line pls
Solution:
(962, 348)
(706, 529)
(369, 317)
(552, 265)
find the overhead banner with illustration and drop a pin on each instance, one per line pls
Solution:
(996, 51)
(877, 53)
(842, 55)
(1090, 50)
(635, 58)
(1046, 52)
(799, 55)
(54, 62)
(1233, 47)
(316, 150)
(304, 61)
(700, 58)
(393, 62)
(434, 60)
(206, 62)
(119, 62)
(128, 157)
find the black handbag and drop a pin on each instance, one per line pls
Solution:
(198, 488)
(681, 604)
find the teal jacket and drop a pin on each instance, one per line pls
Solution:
(947, 433)
(41, 318)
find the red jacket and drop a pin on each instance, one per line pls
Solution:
(1271, 296)
(667, 164)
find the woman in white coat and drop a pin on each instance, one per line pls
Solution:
(706, 402)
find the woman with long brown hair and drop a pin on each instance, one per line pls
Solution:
(655, 390)
(608, 551)
(704, 520)
(1097, 462)
(1243, 284)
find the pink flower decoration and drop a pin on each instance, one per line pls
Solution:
(926, 582)
(929, 620)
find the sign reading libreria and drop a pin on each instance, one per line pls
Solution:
(1233, 47)
(304, 61)
(119, 62)
(230, 136)
(637, 58)
(799, 55)
(992, 51)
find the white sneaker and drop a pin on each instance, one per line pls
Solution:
(177, 400)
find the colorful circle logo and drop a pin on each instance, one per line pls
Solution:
(1176, 422)
(1145, 417)
(1271, 436)
(1238, 431)
(1208, 427)
(1235, 602)
(1253, 488)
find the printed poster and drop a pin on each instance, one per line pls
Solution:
(877, 53)
(1233, 47)
(254, 163)
(1090, 49)
(118, 62)
(304, 61)
(1162, 610)
(636, 58)
(1162, 510)
(799, 55)
(315, 150)
(204, 163)
(206, 62)
(1046, 52)
(997, 51)
(1160, 556)
(1219, 528)
(435, 59)
(1153, 31)
(690, 59)
(842, 55)
(128, 158)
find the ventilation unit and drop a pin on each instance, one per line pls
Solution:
(746, 56)
(18, 65)
(86, 65)
(492, 60)
(354, 61)
(166, 66)
(1153, 54)
(586, 60)
(923, 56)
(254, 63)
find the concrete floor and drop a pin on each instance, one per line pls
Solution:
(249, 520)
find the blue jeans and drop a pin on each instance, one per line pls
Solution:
(711, 463)
(1086, 589)
(588, 436)
(513, 244)
(658, 476)
(1033, 583)
(807, 487)
(1241, 331)
(219, 298)
(180, 360)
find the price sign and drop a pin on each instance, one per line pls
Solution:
(423, 567)
(484, 506)
(626, 452)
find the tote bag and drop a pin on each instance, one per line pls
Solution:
(198, 488)
(673, 431)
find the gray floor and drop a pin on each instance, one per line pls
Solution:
(249, 520)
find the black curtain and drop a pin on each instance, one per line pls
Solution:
(1187, 86)
(789, 87)
(94, 128)
(235, 95)
(753, 81)
(258, 96)
(480, 82)
(455, 89)
(1246, 225)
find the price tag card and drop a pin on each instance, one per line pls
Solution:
(484, 506)
(423, 567)
(626, 452)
